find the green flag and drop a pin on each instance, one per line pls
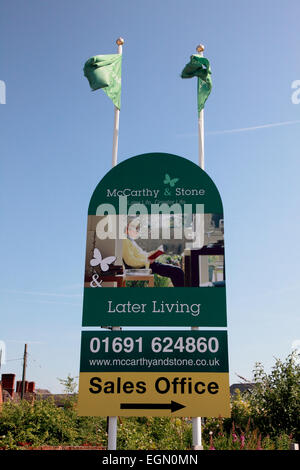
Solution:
(104, 71)
(199, 67)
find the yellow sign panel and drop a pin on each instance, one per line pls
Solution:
(154, 394)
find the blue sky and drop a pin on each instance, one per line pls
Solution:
(56, 143)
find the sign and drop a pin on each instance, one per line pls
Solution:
(154, 373)
(155, 257)
(159, 351)
(151, 394)
(155, 246)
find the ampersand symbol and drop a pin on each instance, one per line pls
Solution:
(94, 282)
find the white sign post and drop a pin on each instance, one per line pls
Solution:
(196, 422)
(113, 420)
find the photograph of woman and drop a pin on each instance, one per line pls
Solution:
(135, 257)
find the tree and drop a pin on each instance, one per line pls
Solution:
(69, 384)
(275, 399)
(70, 389)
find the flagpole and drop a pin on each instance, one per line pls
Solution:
(200, 50)
(113, 420)
(120, 42)
(196, 422)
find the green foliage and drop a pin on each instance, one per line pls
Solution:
(136, 284)
(36, 423)
(69, 384)
(154, 433)
(159, 281)
(43, 423)
(70, 387)
(218, 436)
(275, 400)
(176, 260)
(250, 441)
(267, 416)
(240, 412)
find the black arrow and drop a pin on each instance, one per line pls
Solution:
(173, 406)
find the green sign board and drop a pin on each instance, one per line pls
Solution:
(155, 246)
(154, 351)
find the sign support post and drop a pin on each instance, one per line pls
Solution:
(196, 422)
(113, 420)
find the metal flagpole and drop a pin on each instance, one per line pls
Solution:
(120, 42)
(196, 422)
(200, 50)
(113, 420)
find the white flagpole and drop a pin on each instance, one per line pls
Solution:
(200, 50)
(120, 42)
(196, 422)
(113, 420)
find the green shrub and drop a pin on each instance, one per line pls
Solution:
(43, 423)
(266, 416)
(154, 433)
(275, 400)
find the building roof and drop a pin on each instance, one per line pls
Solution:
(242, 387)
(59, 398)
(42, 391)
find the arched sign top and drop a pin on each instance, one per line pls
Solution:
(156, 178)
